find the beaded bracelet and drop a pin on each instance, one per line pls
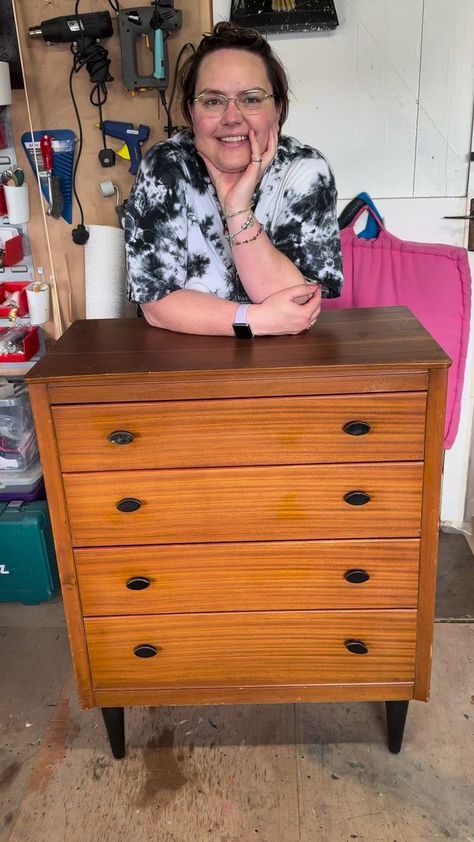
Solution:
(247, 224)
(237, 213)
(250, 239)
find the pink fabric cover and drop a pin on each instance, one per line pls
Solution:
(432, 280)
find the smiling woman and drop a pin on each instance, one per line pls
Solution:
(231, 227)
(224, 127)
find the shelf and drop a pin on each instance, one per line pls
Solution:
(18, 369)
(13, 370)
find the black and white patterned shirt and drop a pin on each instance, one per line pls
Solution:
(174, 227)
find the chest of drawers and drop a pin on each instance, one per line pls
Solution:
(245, 521)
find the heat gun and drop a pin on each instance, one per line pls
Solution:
(69, 28)
(153, 22)
(84, 31)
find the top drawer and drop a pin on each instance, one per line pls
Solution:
(270, 431)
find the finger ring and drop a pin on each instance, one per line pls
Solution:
(256, 160)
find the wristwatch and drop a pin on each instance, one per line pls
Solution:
(241, 326)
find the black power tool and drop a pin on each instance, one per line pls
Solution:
(69, 28)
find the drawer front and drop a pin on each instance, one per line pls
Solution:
(178, 434)
(251, 649)
(292, 575)
(244, 504)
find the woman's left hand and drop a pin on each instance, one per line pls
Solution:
(237, 195)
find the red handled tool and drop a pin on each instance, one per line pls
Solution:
(54, 184)
(46, 146)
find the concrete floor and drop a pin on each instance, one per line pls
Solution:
(279, 773)
(455, 590)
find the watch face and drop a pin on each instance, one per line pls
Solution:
(243, 331)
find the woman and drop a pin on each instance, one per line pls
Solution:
(232, 224)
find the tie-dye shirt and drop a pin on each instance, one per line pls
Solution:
(174, 227)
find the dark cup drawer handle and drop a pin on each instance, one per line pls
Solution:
(121, 437)
(356, 577)
(138, 583)
(145, 650)
(356, 647)
(356, 428)
(129, 504)
(356, 498)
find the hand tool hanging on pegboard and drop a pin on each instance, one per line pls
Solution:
(149, 25)
(84, 33)
(63, 143)
(154, 23)
(132, 139)
(55, 199)
(108, 189)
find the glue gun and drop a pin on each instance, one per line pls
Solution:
(130, 136)
(149, 22)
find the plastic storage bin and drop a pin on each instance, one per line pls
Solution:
(18, 445)
(28, 571)
(25, 485)
(18, 343)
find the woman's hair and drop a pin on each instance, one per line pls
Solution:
(228, 36)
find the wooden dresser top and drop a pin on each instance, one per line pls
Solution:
(345, 339)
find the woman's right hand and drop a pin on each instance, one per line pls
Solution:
(289, 311)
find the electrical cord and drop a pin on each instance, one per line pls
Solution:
(167, 112)
(80, 235)
(169, 128)
(157, 17)
(95, 58)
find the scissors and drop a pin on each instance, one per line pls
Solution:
(14, 178)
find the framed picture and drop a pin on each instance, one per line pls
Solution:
(285, 15)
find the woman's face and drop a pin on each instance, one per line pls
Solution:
(224, 138)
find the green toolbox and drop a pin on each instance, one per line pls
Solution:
(28, 571)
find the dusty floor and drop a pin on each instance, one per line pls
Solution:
(281, 773)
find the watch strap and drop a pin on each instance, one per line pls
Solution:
(241, 325)
(241, 314)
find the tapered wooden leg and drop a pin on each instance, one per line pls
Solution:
(396, 718)
(114, 719)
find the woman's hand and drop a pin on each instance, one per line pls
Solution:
(288, 311)
(235, 190)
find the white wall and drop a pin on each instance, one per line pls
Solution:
(387, 96)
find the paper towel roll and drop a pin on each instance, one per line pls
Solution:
(5, 86)
(106, 274)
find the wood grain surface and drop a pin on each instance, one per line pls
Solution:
(265, 694)
(62, 538)
(433, 466)
(291, 575)
(176, 434)
(342, 342)
(170, 386)
(253, 648)
(245, 504)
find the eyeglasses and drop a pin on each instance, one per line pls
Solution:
(248, 102)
